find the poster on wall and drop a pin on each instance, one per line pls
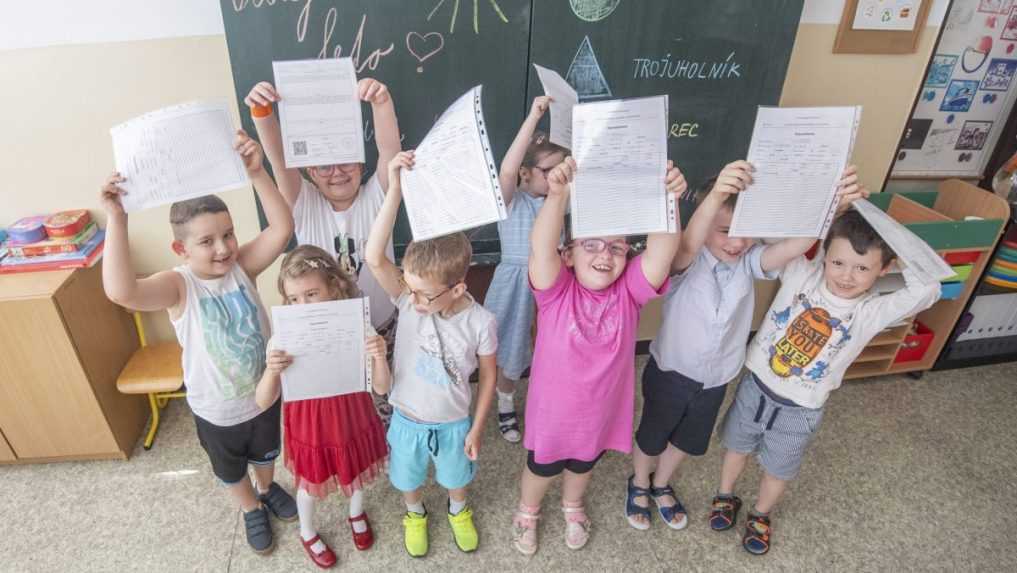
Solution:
(968, 91)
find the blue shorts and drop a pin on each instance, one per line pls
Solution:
(413, 445)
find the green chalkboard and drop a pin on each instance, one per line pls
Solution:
(429, 52)
(716, 59)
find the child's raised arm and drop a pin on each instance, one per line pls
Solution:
(776, 256)
(257, 254)
(381, 376)
(508, 175)
(545, 261)
(260, 100)
(158, 292)
(662, 247)
(734, 178)
(386, 126)
(381, 231)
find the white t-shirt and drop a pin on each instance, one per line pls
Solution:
(317, 224)
(435, 357)
(222, 332)
(810, 336)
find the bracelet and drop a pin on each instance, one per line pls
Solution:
(261, 110)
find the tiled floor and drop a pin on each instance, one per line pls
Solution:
(905, 475)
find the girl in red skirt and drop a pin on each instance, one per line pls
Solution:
(336, 443)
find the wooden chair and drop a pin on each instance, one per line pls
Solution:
(154, 370)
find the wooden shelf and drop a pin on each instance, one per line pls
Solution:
(891, 336)
(866, 369)
(877, 353)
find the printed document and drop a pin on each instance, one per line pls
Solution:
(563, 98)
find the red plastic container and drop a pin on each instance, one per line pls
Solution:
(67, 223)
(961, 258)
(915, 345)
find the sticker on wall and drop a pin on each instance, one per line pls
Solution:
(593, 10)
(1010, 28)
(988, 98)
(585, 75)
(973, 135)
(915, 133)
(959, 95)
(974, 56)
(960, 16)
(940, 70)
(929, 95)
(997, 77)
(994, 6)
(939, 140)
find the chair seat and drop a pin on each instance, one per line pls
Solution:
(153, 369)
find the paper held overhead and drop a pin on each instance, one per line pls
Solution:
(563, 98)
(912, 250)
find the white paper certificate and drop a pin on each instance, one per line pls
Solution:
(177, 153)
(453, 185)
(563, 98)
(620, 148)
(799, 155)
(319, 112)
(326, 340)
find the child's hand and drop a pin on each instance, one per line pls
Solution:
(675, 182)
(849, 190)
(262, 94)
(402, 160)
(472, 446)
(540, 105)
(250, 151)
(373, 91)
(110, 194)
(376, 347)
(734, 178)
(560, 177)
(277, 361)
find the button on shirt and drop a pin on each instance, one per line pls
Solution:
(707, 317)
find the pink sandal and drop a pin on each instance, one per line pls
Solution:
(577, 525)
(524, 529)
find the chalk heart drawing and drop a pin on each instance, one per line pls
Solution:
(424, 46)
(593, 10)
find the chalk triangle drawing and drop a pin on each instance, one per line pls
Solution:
(584, 74)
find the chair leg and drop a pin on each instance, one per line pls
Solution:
(154, 403)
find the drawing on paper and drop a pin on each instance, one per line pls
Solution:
(959, 95)
(994, 6)
(940, 70)
(476, 14)
(585, 75)
(593, 10)
(997, 77)
(973, 135)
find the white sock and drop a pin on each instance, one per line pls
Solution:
(305, 512)
(506, 402)
(357, 508)
(454, 507)
(416, 507)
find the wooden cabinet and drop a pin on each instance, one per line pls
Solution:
(62, 345)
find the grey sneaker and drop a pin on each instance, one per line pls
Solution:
(280, 503)
(259, 532)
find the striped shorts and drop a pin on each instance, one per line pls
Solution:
(778, 434)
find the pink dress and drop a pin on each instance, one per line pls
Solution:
(582, 381)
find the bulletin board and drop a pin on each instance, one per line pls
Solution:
(968, 92)
(881, 26)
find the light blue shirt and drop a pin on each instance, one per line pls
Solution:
(707, 318)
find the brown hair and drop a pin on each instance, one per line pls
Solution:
(308, 258)
(853, 227)
(703, 190)
(443, 259)
(183, 212)
(540, 146)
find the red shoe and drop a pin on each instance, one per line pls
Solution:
(325, 559)
(362, 541)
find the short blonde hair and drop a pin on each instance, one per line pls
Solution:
(442, 259)
(308, 258)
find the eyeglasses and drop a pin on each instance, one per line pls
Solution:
(421, 296)
(330, 169)
(543, 170)
(595, 246)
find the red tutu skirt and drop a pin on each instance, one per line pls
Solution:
(334, 444)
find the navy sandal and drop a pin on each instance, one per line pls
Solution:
(668, 512)
(508, 425)
(632, 510)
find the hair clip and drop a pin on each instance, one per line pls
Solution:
(539, 139)
(313, 263)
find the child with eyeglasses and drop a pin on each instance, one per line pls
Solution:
(443, 336)
(581, 393)
(332, 210)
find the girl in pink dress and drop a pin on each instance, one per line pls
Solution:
(582, 380)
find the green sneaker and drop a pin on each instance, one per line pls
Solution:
(415, 528)
(463, 530)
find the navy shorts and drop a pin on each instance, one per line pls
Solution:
(676, 410)
(231, 448)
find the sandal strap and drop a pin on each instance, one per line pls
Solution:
(361, 517)
(508, 422)
(634, 491)
(667, 511)
(576, 514)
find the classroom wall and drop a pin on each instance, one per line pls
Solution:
(80, 68)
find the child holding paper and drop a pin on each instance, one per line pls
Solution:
(523, 179)
(580, 401)
(333, 210)
(820, 321)
(443, 336)
(700, 347)
(334, 443)
(220, 322)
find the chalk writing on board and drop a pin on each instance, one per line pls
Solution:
(585, 75)
(593, 10)
(681, 129)
(665, 67)
(476, 14)
(373, 58)
(424, 46)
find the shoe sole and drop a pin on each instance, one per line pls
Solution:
(635, 524)
(264, 551)
(524, 551)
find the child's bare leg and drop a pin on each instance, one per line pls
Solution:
(263, 475)
(770, 490)
(574, 487)
(577, 523)
(669, 461)
(734, 464)
(505, 385)
(533, 488)
(414, 501)
(243, 495)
